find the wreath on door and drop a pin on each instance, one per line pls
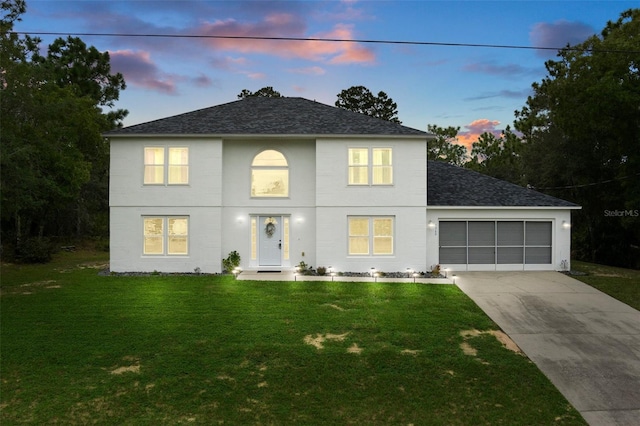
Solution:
(270, 229)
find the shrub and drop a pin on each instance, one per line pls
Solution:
(321, 270)
(35, 250)
(231, 262)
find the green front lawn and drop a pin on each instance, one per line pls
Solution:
(81, 348)
(620, 283)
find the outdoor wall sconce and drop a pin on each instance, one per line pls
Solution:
(565, 224)
(431, 225)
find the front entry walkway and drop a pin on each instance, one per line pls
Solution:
(586, 342)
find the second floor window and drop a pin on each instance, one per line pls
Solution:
(370, 166)
(269, 175)
(166, 165)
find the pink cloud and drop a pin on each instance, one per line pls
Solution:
(139, 70)
(475, 129)
(288, 22)
(283, 25)
(558, 34)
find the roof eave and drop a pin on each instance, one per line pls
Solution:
(262, 136)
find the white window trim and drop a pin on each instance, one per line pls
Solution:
(286, 168)
(370, 166)
(166, 165)
(165, 236)
(372, 236)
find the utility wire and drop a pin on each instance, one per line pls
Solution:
(315, 39)
(585, 184)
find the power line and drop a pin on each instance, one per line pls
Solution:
(585, 184)
(316, 39)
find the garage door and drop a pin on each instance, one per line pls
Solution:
(495, 242)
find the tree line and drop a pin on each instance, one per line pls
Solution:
(55, 162)
(577, 138)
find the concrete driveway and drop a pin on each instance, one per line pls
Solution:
(586, 342)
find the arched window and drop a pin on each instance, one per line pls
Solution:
(269, 175)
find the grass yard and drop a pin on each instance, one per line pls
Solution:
(79, 348)
(623, 284)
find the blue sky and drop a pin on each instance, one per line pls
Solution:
(474, 88)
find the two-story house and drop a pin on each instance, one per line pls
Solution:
(285, 180)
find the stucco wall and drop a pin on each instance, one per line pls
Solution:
(126, 240)
(409, 174)
(238, 155)
(239, 206)
(236, 234)
(409, 237)
(219, 205)
(126, 186)
(200, 200)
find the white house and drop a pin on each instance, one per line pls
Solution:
(285, 180)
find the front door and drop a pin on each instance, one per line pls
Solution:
(270, 240)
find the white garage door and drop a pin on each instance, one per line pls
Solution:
(516, 243)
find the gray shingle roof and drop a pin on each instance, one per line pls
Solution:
(269, 116)
(449, 185)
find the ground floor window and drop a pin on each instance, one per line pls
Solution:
(495, 242)
(371, 235)
(166, 235)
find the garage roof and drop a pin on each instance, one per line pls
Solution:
(449, 185)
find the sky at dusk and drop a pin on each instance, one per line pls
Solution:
(474, 88)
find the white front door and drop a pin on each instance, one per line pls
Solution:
(270, 240)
